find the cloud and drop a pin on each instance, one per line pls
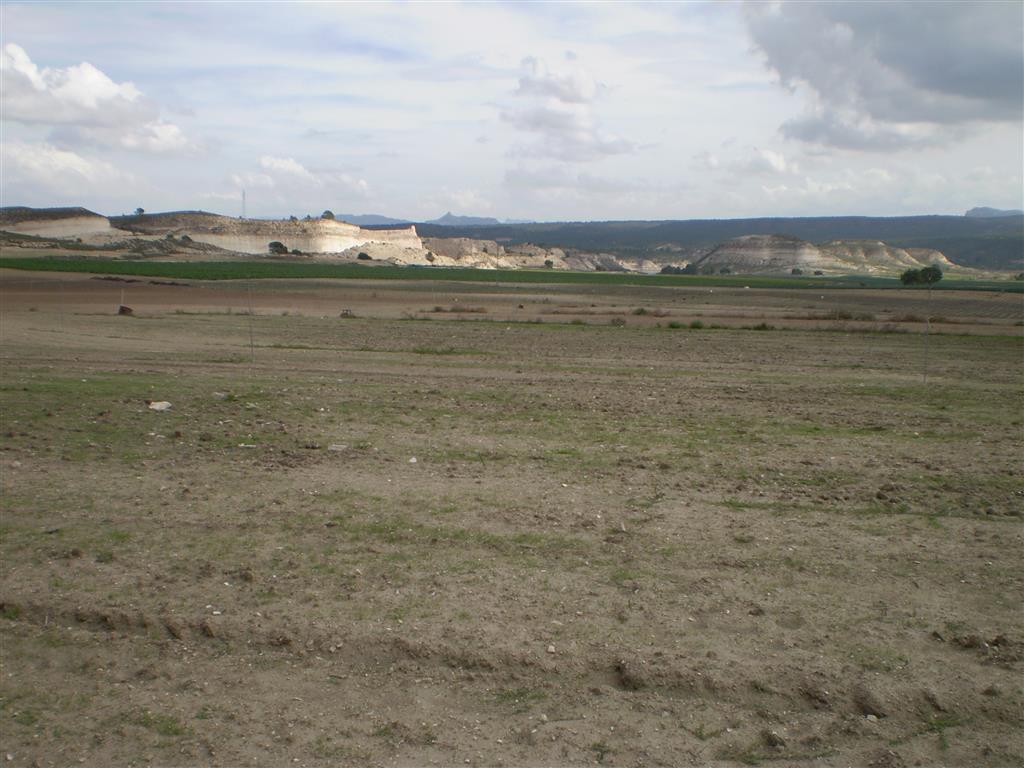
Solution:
(29, 164)
(288, 166)
(573, 85)
(888, 76)
(757, 162)
(285, 182)
(83, 106)
(559, 111)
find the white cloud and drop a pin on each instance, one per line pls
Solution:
(55, 169)
(571, 85)
(559, 112)
(83, 105)
(463, 201)
(753, 161)
(288, 166)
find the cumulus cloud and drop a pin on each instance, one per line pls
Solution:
(288, 166)
(556, 106)
(888, 76)
(83, 105)
(55, 169)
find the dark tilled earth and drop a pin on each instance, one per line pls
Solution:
(376, 541)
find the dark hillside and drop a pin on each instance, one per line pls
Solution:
(993, 243)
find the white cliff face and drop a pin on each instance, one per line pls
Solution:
(763, 253)
(778, 254)
(253, 236)
(874, 255)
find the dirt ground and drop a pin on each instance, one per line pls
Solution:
(383, 540)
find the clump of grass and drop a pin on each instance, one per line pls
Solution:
(696, 324)
(601, 750)
(640, 311)
(620, 576)
(26, 717)
(675, 324)
(617, 322)
(165, 725)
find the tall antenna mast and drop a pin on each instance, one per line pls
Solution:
(243, 203)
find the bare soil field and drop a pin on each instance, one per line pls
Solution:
(502, 537)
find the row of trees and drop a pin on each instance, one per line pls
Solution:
(328, 215)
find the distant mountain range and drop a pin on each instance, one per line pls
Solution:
(448, 220)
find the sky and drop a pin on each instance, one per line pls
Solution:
(539, 111)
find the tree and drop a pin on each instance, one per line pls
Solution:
(911, 277)
(277, 247)
(139, 211)
(327, 215)
(927, 276)
(548, 263)
(930, 275)
(796, 271)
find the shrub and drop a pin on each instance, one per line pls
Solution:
(363, 256)
(696, 324)
(296, 252)
(327, 215)
(818, 272)
(796, 271)
(640, 311)
(618, 322)
(675, 324)
(276, 246)
(186, 239)
(549, 263)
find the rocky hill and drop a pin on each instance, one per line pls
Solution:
(254, 235)
(781, 254)
(53, 222)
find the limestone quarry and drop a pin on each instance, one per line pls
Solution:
(253, 236)
(197, 234)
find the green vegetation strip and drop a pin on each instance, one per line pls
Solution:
(266, 269)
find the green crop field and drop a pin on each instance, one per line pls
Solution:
(264, 269)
